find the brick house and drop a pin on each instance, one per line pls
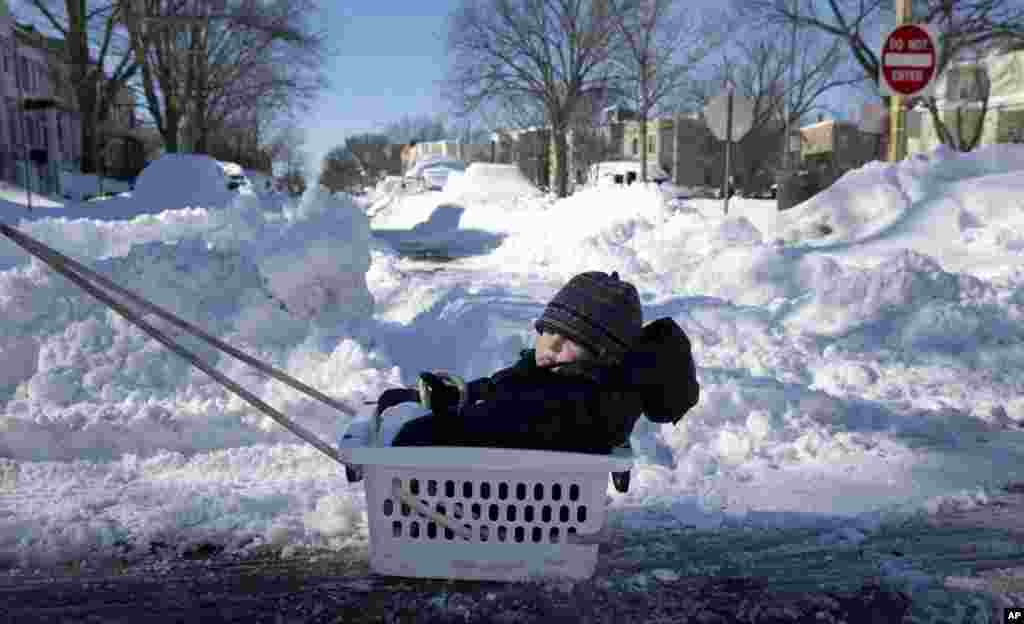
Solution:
(832, 147)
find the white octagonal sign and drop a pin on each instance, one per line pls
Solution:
(717, 115)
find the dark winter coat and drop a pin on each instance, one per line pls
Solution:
(582, 407)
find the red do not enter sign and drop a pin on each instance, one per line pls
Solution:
(909, 59)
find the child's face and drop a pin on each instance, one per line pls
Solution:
(555, 349)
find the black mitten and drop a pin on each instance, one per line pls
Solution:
(442, 393)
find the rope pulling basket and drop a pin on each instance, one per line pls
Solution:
(485, 513)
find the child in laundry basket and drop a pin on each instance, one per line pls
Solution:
(593, 370)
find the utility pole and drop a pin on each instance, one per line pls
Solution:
(897, 116)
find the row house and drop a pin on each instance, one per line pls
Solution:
(34, 144)
(530, 148)
(997, 78)
(832, 147)
(40, 127)
(456, 150)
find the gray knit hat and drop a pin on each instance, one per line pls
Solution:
(597, 310)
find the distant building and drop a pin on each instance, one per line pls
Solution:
(527, 147)
(832, 147)
(34, 144)
(960, 92)
(457, 150)
(40, 126)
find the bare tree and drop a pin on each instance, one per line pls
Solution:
(92, 47)
(418, 128)
(963, 25)
(203, 60)
(551, 51)
(759, 65)
(662, 42)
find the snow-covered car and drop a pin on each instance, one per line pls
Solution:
(434, 178)
(416, 171)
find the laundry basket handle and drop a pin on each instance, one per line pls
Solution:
(388, 399)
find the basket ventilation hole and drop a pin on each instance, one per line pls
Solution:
(449, 534)
(432, 530)
(574, 492)
(520, 534)
(457, 510)
(485, 490)
(485, 533)
(492, 513)
(475, 510)
(538, 492)
(396, 528)
(556, 492)
(406, 510)
(502, 534)
(510, 513)
(538, 534)
(503, 491)
(467, 489)
(528, 514)
(563, 513)
(414, 486)
(554, 535)
(388, 507)
(545, 513)
(432, 487)
(521, 491)
(581, 513)
(449, 489)
(414, 529)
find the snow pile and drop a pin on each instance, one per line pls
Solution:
(89, 384)
(894, 198)
(182, 181)
(596, 228)
(491, 183)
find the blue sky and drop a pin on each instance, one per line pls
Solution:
(390, 60)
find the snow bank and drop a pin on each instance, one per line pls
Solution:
(877, 198)
(593, 229)
(87, 384)
(491, 183)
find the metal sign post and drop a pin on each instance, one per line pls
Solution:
(908, 65)
(730, 118)
(727, 182)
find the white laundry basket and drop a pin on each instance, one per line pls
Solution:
(484, 513)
